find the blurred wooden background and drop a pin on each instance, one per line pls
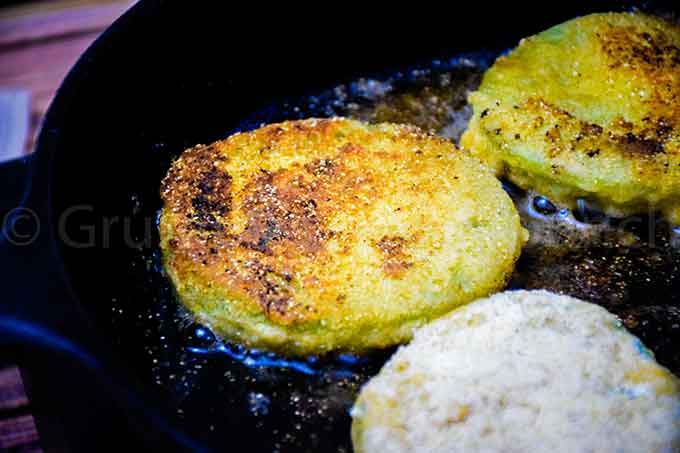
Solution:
(39, 42)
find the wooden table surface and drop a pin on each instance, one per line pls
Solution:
(39, 42)
(17, 427)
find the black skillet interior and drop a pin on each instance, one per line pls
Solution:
(173, 74)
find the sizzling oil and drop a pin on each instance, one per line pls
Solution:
(630, 266)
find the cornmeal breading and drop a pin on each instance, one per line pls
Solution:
(521, 371)
(317, 235)
(587, 109)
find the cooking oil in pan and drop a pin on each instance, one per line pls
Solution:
(630, 266)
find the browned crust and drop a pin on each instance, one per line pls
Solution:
(394, 250)
(568, 133)
(653, 54)
(639, 50)
(285, 216)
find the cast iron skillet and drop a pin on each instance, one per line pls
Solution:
(111, 360)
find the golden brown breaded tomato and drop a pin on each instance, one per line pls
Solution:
(587, 109)
(318, 235)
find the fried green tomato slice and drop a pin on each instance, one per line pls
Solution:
(587, 109)
(318, 235)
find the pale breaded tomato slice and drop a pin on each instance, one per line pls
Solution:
(521, 371)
